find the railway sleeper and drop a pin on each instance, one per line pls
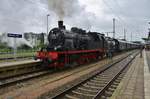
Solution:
(86, 91)
(101, 81)
(67, 96)
(106, 76)
(74, 96)
(91, 87)
(113, 86)
(111, 89)
(120, 77)
(97, 84)
(97, 80)
(108, 93)
(82, 95)
(102, 78)
(103, 97)
(101, 75)
(116, 83)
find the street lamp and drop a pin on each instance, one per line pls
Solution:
(47, 23)
(47, 28)
(149, 31)
(114, 27)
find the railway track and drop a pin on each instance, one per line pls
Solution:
(6, 81)
(20, 78)
(100, 85)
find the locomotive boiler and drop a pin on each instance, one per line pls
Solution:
(61, 39)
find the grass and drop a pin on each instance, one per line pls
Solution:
(9, 52)
(18, 54)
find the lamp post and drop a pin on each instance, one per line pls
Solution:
(47, 27)
(47, 23)
(148, 31)
(114, 27)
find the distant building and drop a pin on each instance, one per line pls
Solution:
(138, 42)
(147, 40)
(35, 39)
(0, 37)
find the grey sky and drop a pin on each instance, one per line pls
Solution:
(30, 15)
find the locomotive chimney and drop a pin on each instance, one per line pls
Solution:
(60, 25)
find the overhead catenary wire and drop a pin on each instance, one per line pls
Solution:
(122, 21)
(112, 10)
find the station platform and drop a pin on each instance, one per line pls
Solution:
(136, 82)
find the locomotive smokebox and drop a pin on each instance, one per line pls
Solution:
(60, 25)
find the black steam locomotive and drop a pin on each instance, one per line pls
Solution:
(78, 46)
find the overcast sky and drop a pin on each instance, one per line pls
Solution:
(95, 15)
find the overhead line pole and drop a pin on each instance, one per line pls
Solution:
(113, 27)
(47, 22)
(131, 36)
(47, 27)
(124, 34)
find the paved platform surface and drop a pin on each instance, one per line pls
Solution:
(147, 57)
(6, 64)
(132, 85)
(147, 74)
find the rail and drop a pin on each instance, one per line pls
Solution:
(66, 93)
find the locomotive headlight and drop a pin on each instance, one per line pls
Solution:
(55, 48)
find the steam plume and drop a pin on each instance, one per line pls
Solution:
(72, 11)
(10, 41)
(63, 8)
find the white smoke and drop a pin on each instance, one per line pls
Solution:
(11, 41)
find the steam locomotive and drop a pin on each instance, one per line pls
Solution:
(77, 46)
